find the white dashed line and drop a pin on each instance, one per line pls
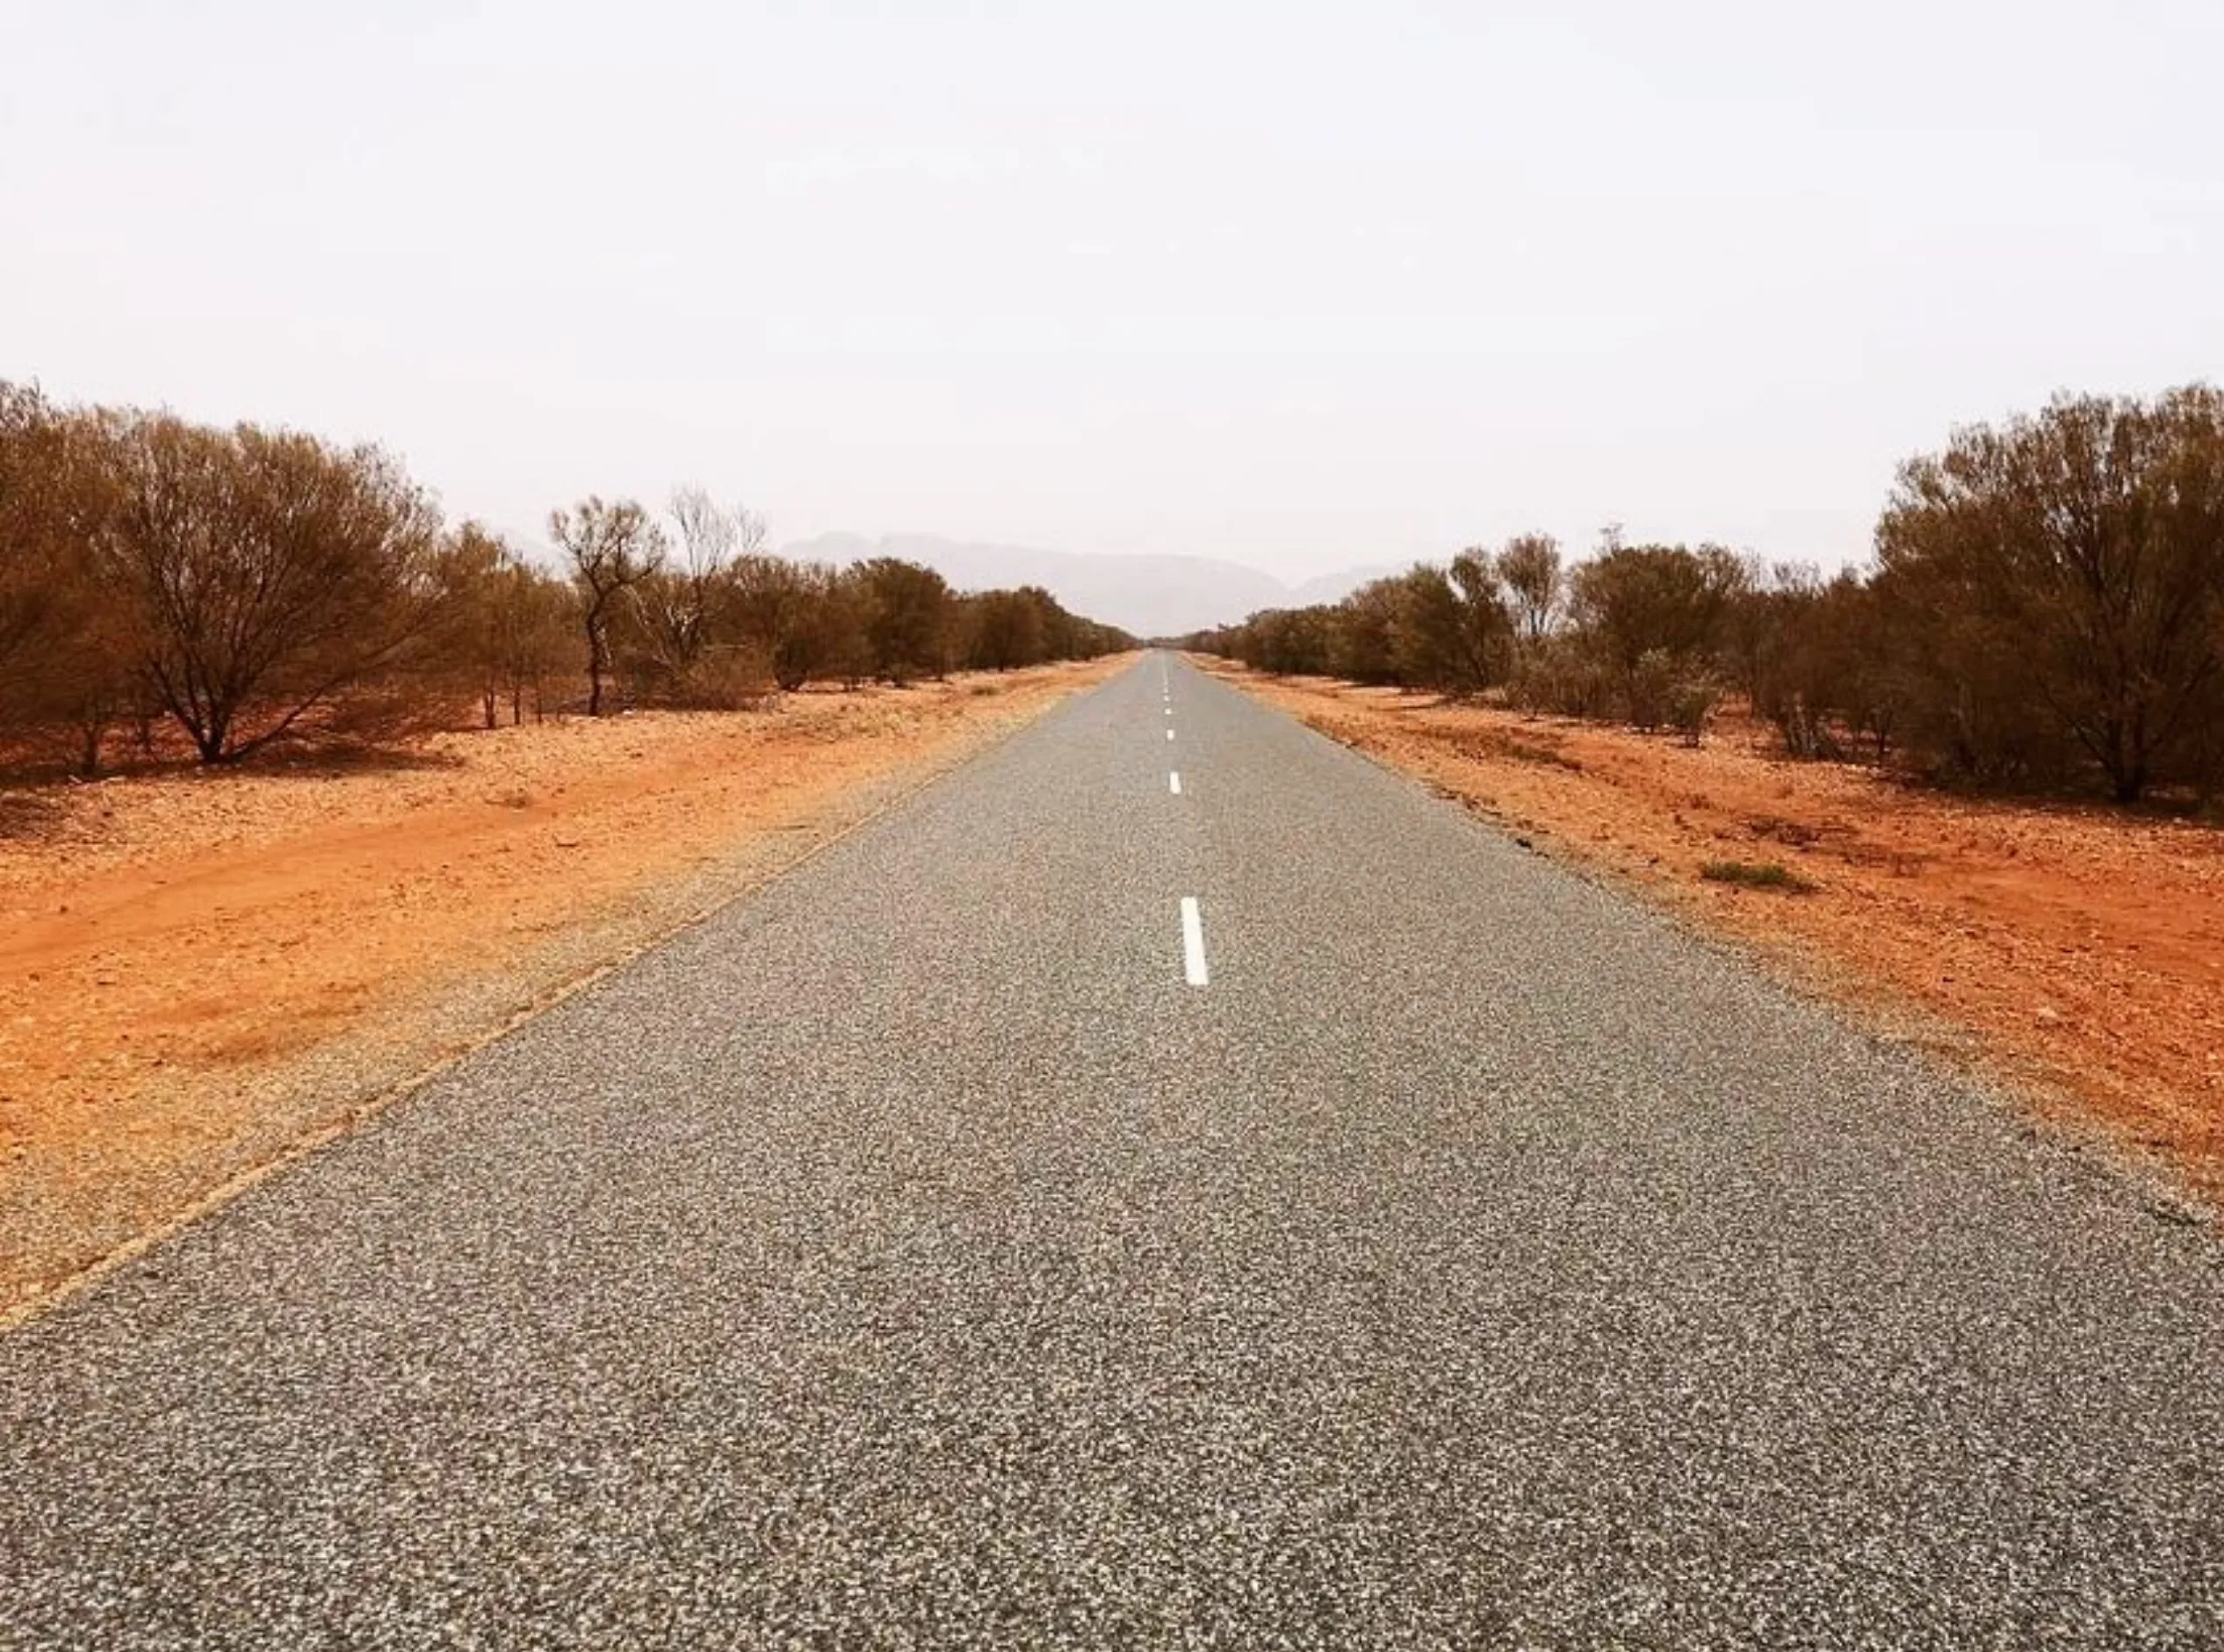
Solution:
(1169, 734)
(1193, 959)
(1174, 782)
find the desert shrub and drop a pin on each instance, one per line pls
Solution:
(1771, 875)
(1646, 687)
(1692, 699)
(791, 613)
(267, 575)
(1651, 615)
(2046, 610)
(2057, 582)
(1000, 629)
(1362, 634)
(1450, 629)
(908, 612)
(1004, 630)
(731, 677)
(254, 586)
(1561, 676)
(1809, 655)
(506, 629)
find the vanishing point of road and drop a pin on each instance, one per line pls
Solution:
(1170, 1183)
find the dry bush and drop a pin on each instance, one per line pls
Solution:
(1771, 875)
(2046, 611)
(2059, 581)
(729, 677)
(506, 629)
(266, 576)
(612, 548)
(1692, 700)
(909, 611)
(253, 587)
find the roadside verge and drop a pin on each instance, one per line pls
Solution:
(208, 975)
(2073, 953)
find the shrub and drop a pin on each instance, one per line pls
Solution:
(1758, 875)
(2058, 581)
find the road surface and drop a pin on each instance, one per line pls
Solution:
(1083, 1208)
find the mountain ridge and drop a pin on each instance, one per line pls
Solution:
(1151, 595)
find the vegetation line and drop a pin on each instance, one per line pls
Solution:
(219, 591)
(2045, 613)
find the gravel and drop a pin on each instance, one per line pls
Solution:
(905, 1256)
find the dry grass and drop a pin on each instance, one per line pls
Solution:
(1758, 875)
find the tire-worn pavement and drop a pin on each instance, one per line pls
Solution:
(907, 1256)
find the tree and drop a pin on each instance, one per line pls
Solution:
(2064, 574)
(1529, 569)
(846, 615)
(681, 612)
(505, 626)
(538, 637)
(1485, 634)
(1654, 616)
(67, 635)
(1010, 629)
(1815, 659)
(788, 612)
(32, 522)
(909, 613)
(471, 565)
(1437, 640)
(612, 547)
(273, 573)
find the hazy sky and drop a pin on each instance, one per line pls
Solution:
(1303, 285)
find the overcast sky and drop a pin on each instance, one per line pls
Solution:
(1301, 286)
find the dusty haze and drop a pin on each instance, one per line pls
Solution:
(1301, 288)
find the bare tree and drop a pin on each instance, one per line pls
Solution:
(680, 611)
(613, 547)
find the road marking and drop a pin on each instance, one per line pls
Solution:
(1169, 711)
(1193, 963)
(1169, 734)
(1174, 782)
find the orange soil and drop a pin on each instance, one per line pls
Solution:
(2083, 947)
(169, 944)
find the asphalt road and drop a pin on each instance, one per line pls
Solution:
(913, 1255)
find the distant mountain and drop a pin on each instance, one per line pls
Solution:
(1150, 595)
